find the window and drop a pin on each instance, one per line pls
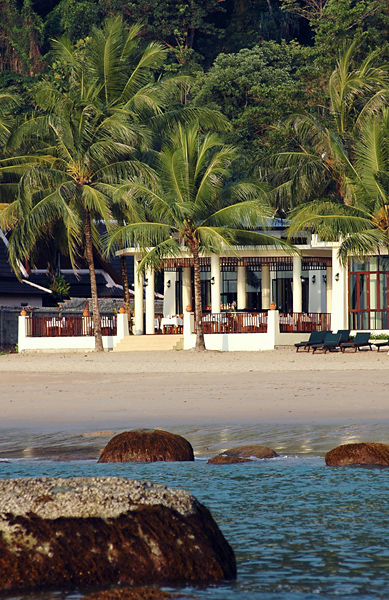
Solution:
(368, 293)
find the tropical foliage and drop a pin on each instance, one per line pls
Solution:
(194, 204)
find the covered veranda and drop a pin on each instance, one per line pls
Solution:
(308, 290)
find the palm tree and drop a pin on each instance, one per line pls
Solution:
(318, 167)
(363, 223)
(194, 204)
(83, 144)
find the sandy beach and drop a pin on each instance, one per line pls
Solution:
(156, 389)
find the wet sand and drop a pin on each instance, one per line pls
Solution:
(155, 389)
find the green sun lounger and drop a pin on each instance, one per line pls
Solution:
(331, 343)
(361, 341)
(316, 337)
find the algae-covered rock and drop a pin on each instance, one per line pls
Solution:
(242, 454)
(57, 532)
(363, 453)
(147, 445)
(222, 459)
(128, 593)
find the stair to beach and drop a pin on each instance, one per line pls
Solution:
(139, 343)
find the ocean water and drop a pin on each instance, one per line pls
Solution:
(300, 530)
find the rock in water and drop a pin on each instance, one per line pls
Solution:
(363, 453)
(222, 459)
(242, 454)
(147, 445)
(57, 532)
(136, 593)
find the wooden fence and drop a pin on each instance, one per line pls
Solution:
(235, 322)
(69, 326)
(304, 322)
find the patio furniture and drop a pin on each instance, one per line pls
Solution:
(172, 324)
(331, 343)
(381, 344)
(361, 341)
(344, 335)
(316, 337)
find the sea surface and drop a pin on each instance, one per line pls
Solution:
(300, 530)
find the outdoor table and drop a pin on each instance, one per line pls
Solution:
(172, 323)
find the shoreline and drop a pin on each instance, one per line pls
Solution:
(152, 388)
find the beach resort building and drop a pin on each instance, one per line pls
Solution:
(308, 291)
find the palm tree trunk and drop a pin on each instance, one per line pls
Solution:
(93, 284)
(200, 343)
(126, 291)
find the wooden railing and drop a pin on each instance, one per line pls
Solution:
(304, 322)
(69, 326)
(235, 322)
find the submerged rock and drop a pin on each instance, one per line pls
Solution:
(363, 453)
(127, 593)
(243, 454)
(57, 532)
(222, 459)
(147, 445)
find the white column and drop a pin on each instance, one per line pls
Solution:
(215, 283)
(150, 308)
(22, 332)
(339, 294)
(186, 289)
(122, 327)
(265, 287)
(241, 288)
(138, 300)
(273, 327)
(297, 285)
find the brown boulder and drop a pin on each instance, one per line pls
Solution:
(129, 593)
(358, 454)
(98, 531)
(222, 459)
(147, 445)
(238, 454)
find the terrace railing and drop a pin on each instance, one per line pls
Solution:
(69, 326)
(235, 322)
(304, 322)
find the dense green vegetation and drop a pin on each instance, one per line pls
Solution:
(97, 96)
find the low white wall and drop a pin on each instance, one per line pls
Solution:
(234, 342)
(231, 342)
(69, 344)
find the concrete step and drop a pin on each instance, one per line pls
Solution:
(139, 343)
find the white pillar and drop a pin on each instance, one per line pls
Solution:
(265, 287)
(241, 288)
(186, 289)
(22, 332)
(339, 318)
(297, 285)
(273, 327)
(122, 327)
(215, 283)
(150, 309)
(138, 299)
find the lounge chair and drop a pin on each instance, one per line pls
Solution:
(361, 341)
(381, 344)
(316, 337)
(331, 343)
(344, 335)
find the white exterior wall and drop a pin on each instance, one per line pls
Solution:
(169, 293)
(317, 291)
